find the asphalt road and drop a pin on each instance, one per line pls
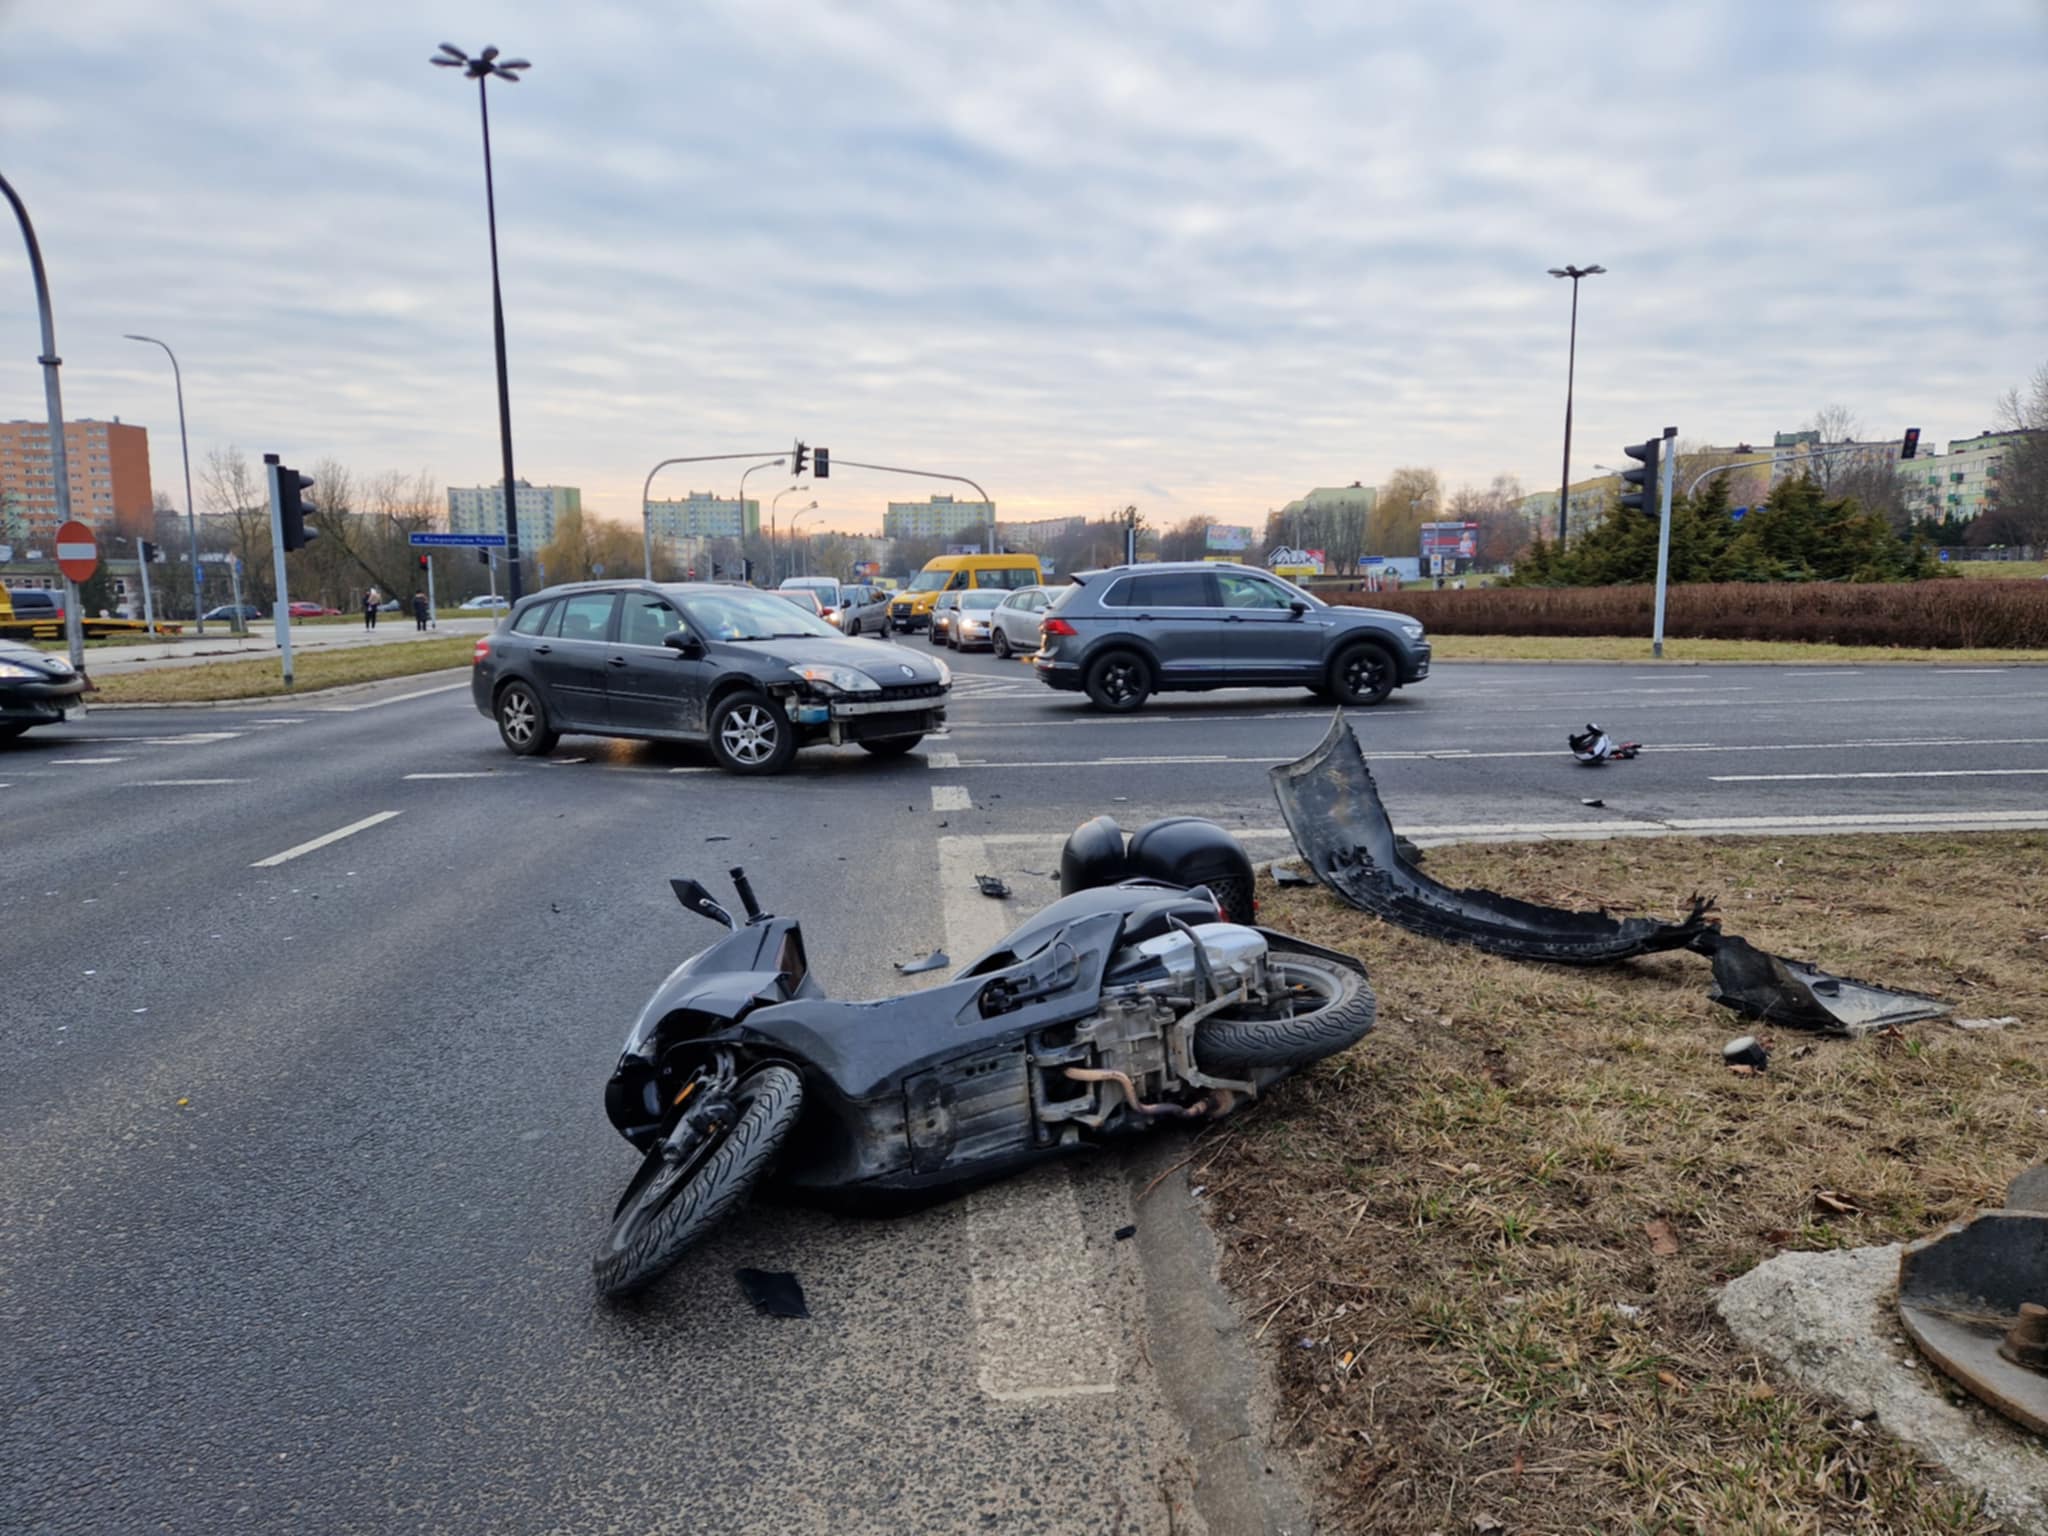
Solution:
(304, 1160)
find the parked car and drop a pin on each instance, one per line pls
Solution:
(36, 687)
(804, 597)
(491, 600)
(306, 610)
(1129, 632)
(972, 616)
(1014, 625)
(226, 613)
(751, 674)
(911, 609)
(863, 610)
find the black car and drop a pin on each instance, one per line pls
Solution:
(748, 673)
(1129, 632)
(227, 612)
(35, 688)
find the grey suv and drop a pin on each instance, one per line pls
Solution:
(748, 673)
(1127, 633)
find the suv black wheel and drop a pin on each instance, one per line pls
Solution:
(1119, 681)
(751, 734)
(523, 722)
(1363, 674)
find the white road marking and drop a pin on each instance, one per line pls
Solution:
(942, 759)
(451, 775)
(1042, 1328)
(180, 783)
(291, 720)
(82, 762)
(396, 698)
(1918, 773)
(1977, 671)
(951, 797)
(1851, 672)
(1461, 754)
(693, 770)
(321, 842)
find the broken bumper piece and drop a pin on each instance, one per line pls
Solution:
(1333, 808)
(1795, 995)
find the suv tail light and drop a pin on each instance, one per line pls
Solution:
(483, 649)
(1057, 627)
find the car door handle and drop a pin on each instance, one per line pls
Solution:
(543, 650)
(617, 661)
(1232, 618)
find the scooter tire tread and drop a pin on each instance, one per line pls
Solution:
(723, 1180)
(1296, 1042)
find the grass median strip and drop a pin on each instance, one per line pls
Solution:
(1483, 1246)
(1637, 648)
(261, 678)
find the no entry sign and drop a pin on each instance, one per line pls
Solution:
(77, 556)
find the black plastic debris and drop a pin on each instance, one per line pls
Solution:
(1598, 805)
(931, 962)
(1593, 746)
(1747, 1051)
(991, 885)
(1333, 808)
(1796, 995)
(1124, 1234)
(1287, 877)
(774, 1292)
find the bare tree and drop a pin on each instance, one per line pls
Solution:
(2018, 513)
(1410, 498)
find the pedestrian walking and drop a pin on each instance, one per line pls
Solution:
(370, 609)
(419, 610)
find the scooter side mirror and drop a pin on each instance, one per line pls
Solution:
(698, 900)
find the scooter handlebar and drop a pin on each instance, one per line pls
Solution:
(746, 894)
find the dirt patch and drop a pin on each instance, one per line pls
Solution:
(1484, 1247)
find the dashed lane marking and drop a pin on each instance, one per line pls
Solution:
(1904, 773)
(180, 783)
(396, 698)
(951, 797)
(321, 842)
(942, 759)
(485, 775)
(83, 762)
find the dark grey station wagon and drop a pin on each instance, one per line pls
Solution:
(749, 674)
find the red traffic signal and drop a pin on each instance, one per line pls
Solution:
(423, 562)
(1912, 447)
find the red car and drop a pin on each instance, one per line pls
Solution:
(304, 610)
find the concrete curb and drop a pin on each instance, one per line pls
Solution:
(1653, 661)
(277, 700)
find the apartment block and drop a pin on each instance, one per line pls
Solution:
(108, 463)
(940, 518)
(481, 509)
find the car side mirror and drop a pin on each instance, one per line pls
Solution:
(1297, 607)
(683, 643)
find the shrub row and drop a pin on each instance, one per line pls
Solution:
(1941, 615)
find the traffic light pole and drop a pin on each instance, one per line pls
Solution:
(433, 610)
(647, 489)
(148, 603)
(281, 614)
(1670, 460)
(932, 474)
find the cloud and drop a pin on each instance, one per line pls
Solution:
(1089, 255)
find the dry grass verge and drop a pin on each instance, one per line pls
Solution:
(261, 677)
(1483, 1247)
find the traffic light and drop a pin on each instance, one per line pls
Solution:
(1912, 447)
(1643, 498)
(423, 562)
(797, 460)
(822, 460)
(294, 509)
(147, 552)
(483, 557)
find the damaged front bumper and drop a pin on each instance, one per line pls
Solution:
(1796, 995)
(843, 721)
(1333, 808)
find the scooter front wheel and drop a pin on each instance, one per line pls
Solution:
(1315, 1009)
(672, 1204)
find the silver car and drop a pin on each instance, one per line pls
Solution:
(1015, 623)
(863, 610)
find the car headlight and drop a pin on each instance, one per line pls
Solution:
(1412, 630)
(837, 679)
(17, 672)
(945, 672)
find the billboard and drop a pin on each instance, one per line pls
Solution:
(1295, 562)
(1451, 541)
(1229, 536)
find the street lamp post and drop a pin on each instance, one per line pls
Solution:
(932, 474)
(481, 69)
(799, 517)
(1564, 487)
(772, 506)
(185, 448)
(766, 464)
(53, 398)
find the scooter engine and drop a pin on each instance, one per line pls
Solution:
(1169, 966)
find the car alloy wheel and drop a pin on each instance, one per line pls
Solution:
(750, 735)
(518, 716)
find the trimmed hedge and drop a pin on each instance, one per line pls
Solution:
(1939, 615)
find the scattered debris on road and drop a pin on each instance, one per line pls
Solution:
(1288, 878)
(931, 962)
(774, 1292)
(1794, 994)
(1593, 746)
(993, 886)
(1746, 1054)
(1598, 805)
(1124, 1234)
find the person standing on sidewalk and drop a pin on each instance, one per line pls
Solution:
(419, 610)
(370, 609)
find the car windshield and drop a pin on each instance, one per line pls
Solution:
(741, 615)
(803, 597)
(980, 599)
(929, 581)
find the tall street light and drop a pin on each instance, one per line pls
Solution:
(184, 447)
(1564, 488)
(772, 506)
(767, 464)
(798, 517)
(481, 69)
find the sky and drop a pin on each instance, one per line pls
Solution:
(1199, 257)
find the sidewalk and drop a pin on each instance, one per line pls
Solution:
(219, 644)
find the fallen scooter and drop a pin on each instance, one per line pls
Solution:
(1113, 1009)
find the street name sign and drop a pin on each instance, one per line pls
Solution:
(458, 540)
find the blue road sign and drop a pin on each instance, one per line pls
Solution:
(1944, 557)
(458, 540)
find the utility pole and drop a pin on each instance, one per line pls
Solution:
(1564, 487)
(281, 614)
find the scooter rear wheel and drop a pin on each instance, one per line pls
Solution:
(1319, 1009)
(670, 1207)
